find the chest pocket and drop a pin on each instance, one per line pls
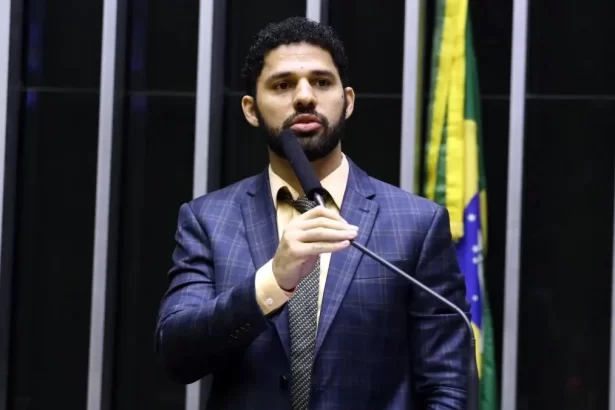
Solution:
(377, 295)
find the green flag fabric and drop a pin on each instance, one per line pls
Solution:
(455, 175)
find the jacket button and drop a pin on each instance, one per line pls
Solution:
(284, 382)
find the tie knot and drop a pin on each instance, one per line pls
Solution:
(301, 204)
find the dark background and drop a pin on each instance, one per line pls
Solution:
(567, 229)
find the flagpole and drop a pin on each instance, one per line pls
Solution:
(513, 213)
(412, 93)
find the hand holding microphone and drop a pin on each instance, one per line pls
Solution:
(312, 233)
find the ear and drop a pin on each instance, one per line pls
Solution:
(249, 110)
(349, 94)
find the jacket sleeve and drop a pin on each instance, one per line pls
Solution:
(439, 336)
(199, 330)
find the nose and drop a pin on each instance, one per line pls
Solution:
(304, 96)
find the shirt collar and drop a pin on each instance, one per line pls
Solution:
(334, 183)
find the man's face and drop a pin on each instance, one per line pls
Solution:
(300, 89)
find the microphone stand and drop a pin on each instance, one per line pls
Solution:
(472, 389)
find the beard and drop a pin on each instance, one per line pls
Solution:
(316, 144)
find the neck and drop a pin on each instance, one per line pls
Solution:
(322, 167)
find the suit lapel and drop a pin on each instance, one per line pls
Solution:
(357, 209)
(260, 221)
(262, 234)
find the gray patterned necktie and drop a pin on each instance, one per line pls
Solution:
(302, 315)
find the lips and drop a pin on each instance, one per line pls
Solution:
(305, 123)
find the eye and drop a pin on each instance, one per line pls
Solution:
(282, 86)
(323, 83)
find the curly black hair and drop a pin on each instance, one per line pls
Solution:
(288, 31)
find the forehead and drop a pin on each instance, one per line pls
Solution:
(297, 58)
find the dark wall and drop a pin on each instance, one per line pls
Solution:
(567, 231)
(567, 224)
(568, 175)
(56, 185)
(157, 141)
(56, 188)
(492, 25)
(492, 28)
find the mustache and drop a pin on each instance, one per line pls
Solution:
(289, 121)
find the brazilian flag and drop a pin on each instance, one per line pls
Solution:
(455, 175)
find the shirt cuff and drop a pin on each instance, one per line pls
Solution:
(269, 295)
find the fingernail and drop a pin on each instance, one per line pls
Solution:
(354, 227)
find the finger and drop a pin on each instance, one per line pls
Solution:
(317, 248)
(320, 211)
(324, 235)
(324, 222)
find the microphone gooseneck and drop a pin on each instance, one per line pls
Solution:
(313, 190)
(472, 397)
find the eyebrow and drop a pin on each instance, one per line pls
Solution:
(286, 74)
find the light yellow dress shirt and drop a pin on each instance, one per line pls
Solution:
(269, 295)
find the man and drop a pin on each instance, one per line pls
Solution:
(267, 295)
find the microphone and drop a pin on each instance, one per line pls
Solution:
(301, 166)
(314, 191)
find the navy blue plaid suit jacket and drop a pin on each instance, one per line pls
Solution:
(382, 343)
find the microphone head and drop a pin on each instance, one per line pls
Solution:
(300, 164)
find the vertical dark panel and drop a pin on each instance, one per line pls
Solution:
(570, 52)
(63, 44)
(10, 133)
(244, 152)
(566, 264)
(163, 53)
(156, 166)
(492, 33)
(492, 29)
(373, 34)
(55, 205)
(567, 231)
(495, 119)
(57, 169)
(158, 147)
